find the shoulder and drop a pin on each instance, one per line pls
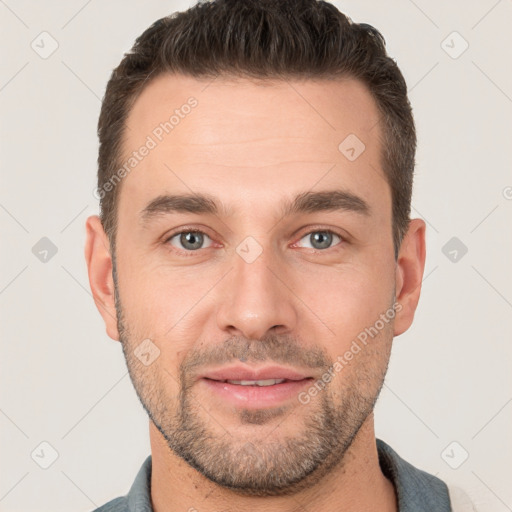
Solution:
(460, 500)
(138, 498)
(116, 505)
(418, 490)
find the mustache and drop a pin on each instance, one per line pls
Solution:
(282, 349)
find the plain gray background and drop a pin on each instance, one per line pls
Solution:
(64, 382)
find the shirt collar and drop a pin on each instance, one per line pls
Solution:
(416, 490)
(139, 496)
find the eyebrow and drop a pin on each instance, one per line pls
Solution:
(306, 202)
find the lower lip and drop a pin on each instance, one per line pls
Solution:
(257, 397)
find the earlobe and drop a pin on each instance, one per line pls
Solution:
(409, 274)
(99, 267)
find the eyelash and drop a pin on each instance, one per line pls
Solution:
(195, 230)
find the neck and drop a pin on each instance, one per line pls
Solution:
(356, 484)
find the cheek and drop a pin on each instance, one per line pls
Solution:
(348, 300)
(154, 294)
(168, 306)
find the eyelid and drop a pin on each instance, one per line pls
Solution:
(185, 229)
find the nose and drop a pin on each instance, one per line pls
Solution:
(256, 298)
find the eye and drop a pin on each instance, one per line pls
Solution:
(321, 239)
(189, 240)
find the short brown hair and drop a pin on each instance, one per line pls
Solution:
(263, 39)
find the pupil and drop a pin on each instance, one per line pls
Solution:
(193, 239)
(321, 239)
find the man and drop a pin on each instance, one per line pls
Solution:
(255, 257)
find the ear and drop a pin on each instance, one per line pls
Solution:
(409, 274)
(99, 267)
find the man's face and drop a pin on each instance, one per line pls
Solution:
(257, 286)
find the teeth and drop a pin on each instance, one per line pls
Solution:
(268, 382)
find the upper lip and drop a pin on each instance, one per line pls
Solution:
(248, 373)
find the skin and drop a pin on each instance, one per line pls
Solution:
(254, 145)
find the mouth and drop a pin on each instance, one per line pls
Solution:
(261, 383)
(252, 388)
(262, 376)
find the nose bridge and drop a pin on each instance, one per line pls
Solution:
(254, 299)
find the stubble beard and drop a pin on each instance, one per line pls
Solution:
(263, 465)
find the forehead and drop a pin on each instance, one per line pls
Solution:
(250, 141)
